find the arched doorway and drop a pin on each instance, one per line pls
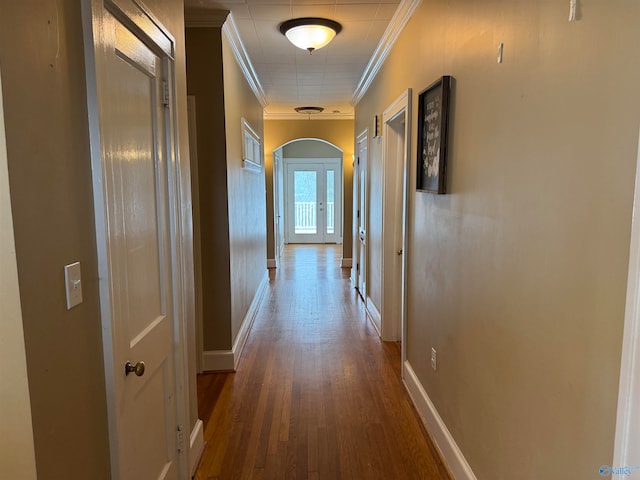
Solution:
(308, 193)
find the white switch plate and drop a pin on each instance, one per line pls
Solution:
(434, 358)
(73, 283)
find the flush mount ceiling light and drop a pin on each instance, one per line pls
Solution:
(309, 110)
(310, 33)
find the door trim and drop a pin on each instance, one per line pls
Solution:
(626, 447)
(358, 262)
(394, 328)
(156, 36)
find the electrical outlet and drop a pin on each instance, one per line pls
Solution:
(434, 358)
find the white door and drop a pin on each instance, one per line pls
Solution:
(278, 220)
(133, 220)
(314, 201)
(361, 217)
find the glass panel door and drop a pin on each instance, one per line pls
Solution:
(305, 188)
(331, 203)
(313, 201)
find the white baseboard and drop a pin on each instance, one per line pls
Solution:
(272, 263)
(227, 360)
(196, 446)
(346, 263)
(446, 445)
(218, 361)
(247, 323)
(374, 315)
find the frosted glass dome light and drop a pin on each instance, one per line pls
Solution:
(310, 33)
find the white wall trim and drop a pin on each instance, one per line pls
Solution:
(346, 262)
(374, 314)
(242, 57)
(247, 323)
(218, 361)
(272, 263)
(444, 441)
(627, 437)
(196, 446)
(228, 360)
(398, 22)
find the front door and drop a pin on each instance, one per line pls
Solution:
(314, 201)
(133, 222)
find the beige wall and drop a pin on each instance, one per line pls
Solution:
(247, 211)
(41, 53)
(310, 149)
(50, 179)
(17, 456)
(517, 276)
(338, 132)
(206, 84)
(232, 199)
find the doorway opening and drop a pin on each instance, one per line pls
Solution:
(308, 193)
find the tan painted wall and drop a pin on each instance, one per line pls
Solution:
(17, 455)
(232, 200)
(337, 132)
(247, 224)
(518, 276)
(310, 149)
(41, 52)
(206, 84)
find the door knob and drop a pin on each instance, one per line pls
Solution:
(399, 252)
(138, 368)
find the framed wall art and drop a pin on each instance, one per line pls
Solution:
(433, 123)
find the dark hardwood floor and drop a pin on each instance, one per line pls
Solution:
(317, 395)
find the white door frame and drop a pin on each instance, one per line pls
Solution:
(396, 148)
(360, 199)
(338, 194)
(627, 438)
(130, 13)
(278, 215)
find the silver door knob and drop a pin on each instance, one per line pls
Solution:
(138, 368)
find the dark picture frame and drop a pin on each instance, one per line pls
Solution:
(433, 136)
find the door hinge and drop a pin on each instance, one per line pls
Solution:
(165, 93)
(358, 213)
(180, 438)
(357, 267)
(358, 160)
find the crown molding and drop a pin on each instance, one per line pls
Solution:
(231, 32)
(302, 117)
(398, 22)
(204, 18)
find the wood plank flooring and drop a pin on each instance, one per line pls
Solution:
(317, 395)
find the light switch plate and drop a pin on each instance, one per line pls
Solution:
(73, 283)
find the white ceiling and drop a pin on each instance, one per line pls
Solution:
(291, 77)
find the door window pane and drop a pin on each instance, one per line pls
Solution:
(331, 214)
(305, 186)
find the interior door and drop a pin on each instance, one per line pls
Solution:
(362, 218)
(314, 201)
(133, 217)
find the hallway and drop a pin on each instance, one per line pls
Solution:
(317, 395)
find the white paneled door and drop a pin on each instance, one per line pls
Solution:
(134, 209)
(313, 201)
